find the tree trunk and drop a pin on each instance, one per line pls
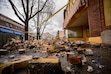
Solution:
(26, 30)
(38, 33)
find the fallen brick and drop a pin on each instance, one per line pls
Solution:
(21, 51)
(3, 51)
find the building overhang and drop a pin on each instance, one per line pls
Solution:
(79, 18)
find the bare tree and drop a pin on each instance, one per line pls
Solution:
(45, 13)
(28, 11)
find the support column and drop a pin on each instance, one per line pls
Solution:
(84, 33)
(94, 17)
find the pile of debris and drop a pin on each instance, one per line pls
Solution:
(74, 52)
(13, 44)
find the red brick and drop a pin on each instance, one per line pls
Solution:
(94, 17)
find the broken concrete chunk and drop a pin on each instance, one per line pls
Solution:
(88, 52)
(90, 69)
(84, 60)
(8, 47)
(75, 48)
(3, 51)
(11, 56)
(68, 69)
(35, 57)
(80, 50)
(20, 46)
(93, 61)
(101, 66)
(15, 59)
(21, 51)
(69, 54)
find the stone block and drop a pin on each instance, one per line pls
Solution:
(11, 56)
(3, 51)
(44, 66)
(88, 52)
(21, 51)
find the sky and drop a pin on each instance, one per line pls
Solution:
(57, 20)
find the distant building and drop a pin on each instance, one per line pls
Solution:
(87, 19)
(47, 36)
(9, 29)
(60, 34)
(31, 36)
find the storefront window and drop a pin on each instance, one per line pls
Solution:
(75, 32)
(7, 25)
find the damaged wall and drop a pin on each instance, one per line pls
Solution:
(96, 17)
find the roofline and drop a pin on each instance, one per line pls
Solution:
(11, 19)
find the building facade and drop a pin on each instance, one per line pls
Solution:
(9, 29)
(87, 19)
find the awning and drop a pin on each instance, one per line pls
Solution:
(17, 33)
(10, 31)
(6, 30)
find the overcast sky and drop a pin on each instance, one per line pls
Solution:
(57, 20)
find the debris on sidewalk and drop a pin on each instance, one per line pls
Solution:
(93, 61)
(90, 69)
(21, 51)
(45, 66)
(88, 52)
(3, 51)
(12, 56)
(55, 56)
(84, 60)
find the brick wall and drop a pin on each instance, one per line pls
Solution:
(96, 17)
(3, 24)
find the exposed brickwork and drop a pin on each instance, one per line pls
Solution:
(102, 13)
(94, 17)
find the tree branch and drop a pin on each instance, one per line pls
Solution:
(23, 6)
(31, 8)
(39, 10)
(20, 13)
(14, 8)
